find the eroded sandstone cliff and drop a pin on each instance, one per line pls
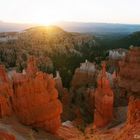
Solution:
(129, 80)
(35, 98)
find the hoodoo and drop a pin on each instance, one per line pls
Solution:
(36, 99)
(103, 100)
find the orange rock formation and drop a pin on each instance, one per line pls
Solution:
(84, 75)
(6, 93)
(130, 72)
(6, 136)
(103, 100)
(36, 99)
(133, 110)
(129, 80)
(131, 130)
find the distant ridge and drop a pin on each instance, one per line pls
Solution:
(99, 27)
(10, 27)
(81, 27)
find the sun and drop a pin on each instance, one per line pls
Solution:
(46, 22)
(46, 19)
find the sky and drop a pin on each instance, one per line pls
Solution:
(50, 11)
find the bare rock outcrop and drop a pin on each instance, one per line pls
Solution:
(104, 98)
(129, 80)
(6, 93)
(84, 75)
(35, 98)
(130, 72)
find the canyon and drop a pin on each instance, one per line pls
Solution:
(36, 104)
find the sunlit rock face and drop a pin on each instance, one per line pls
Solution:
(6, 93)
(84, 75)
(130, 72)
(36, 99)
(129, 80)
(103, 100)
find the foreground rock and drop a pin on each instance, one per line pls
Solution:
(35, 99)
(131, 130)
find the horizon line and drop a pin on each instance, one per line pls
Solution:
(64, 21)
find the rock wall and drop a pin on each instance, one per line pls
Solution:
(130, 72)
(35, 99)
(129, 80)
